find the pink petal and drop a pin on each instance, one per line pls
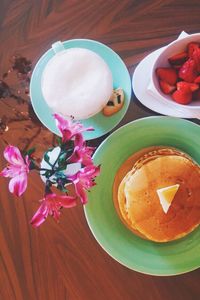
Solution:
(40, 215)
(18, 184)
(81, 193)
(61, 123)
(87, 156)
(67, 134)
(78, 141)
(89, 129)
(74, 178)
(56, 215)
(27, 160)
(6, 172)
(59, 120)
(13, 155)
(11, 171)
(68, 128)
(67, 201)
(91, 171)
(97, 171)
(64, 127)
(76, 156)
(87, 161)
(90, 150)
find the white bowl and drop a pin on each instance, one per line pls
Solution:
(173, 48)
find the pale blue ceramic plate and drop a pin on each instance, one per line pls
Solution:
(99, 122)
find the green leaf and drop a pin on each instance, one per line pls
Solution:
(59, 141)
(32, 165)
(62, 188)
(62, 159)
(47, 174)
(46, 156)
(30, 151)
(59, 175)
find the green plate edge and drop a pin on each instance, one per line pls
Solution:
(121, 78)
(161, 259)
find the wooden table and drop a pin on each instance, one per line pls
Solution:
(64, 261)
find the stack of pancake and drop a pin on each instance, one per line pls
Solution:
(137, 201)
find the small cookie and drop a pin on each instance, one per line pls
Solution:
(115, 103)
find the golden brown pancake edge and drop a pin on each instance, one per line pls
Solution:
(128, 168)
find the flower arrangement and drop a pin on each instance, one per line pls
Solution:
(70, 162)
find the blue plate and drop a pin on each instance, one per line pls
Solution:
(99, 122)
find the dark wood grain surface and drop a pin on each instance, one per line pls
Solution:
(64, 261)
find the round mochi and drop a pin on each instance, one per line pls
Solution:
(77, 83)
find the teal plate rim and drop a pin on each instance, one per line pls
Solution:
(121, 78)
(106, 241)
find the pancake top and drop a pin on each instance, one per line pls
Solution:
(77, 82)
(142, 202)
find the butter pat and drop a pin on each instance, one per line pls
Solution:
(166, 196)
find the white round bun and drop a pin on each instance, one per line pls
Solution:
(77, 83)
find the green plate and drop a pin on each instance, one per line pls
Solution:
(121, 78)
(148, 257)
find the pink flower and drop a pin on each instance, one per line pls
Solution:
(51, 205)
(83, 180)
(81, 153)
(17, 170)
(68, 128)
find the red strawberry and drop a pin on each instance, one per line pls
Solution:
(197, 80)
(188, 71)
(167, 74)
(183, 86)
(182, 97)
(178, 59)
(166, 87)
(191, 47)
(196, 57)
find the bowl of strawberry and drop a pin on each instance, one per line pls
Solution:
(176, 72)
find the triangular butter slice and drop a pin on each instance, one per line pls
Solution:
(166, 196)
